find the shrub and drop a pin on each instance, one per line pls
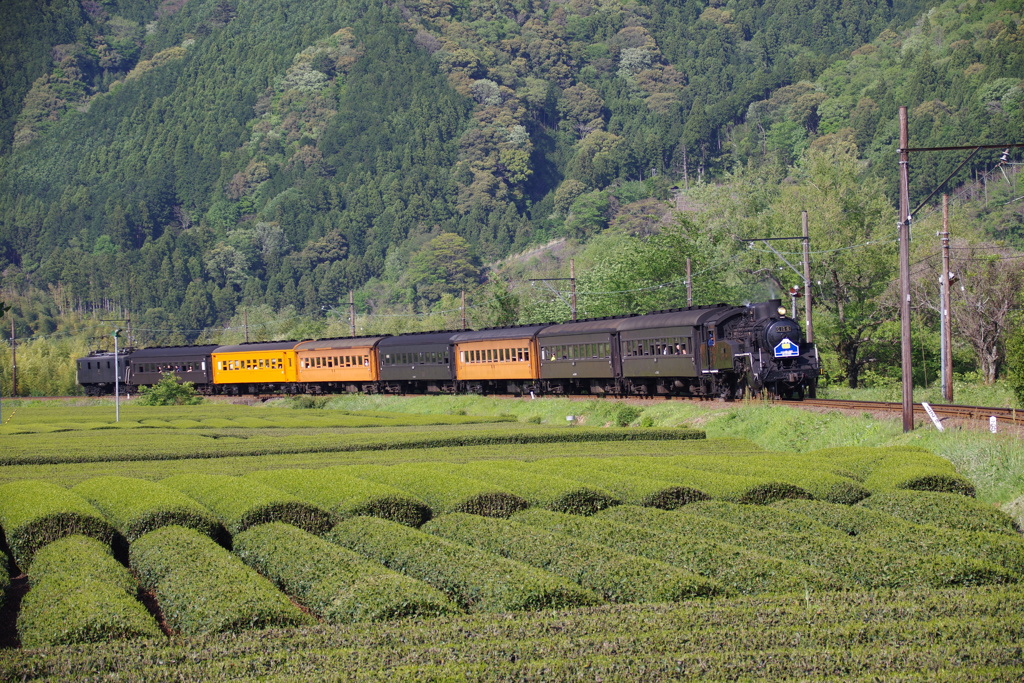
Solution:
(765, 518)
(344, 496)
(918, 472)
(476, 580)
(335, 583)
(81, 594)
(613, 575)
(240, 502)
(444, 492)
(169, 392)
(945, 510)
(735, 568)
(137, 506)
(34, 513)
(540, 490)
(202, 588)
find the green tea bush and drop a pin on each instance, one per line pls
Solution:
(203, 588)
(806, 473)
(947, 510)
(478, 581)
(736, 568)
(443, 492)
(169, 391)
(738, 488)
(539, 490)
(615, 576)
(918, 472)
(138, 506)
(240, 502)
(858, 564)
(34, 513)
(629, 489)
(335, 583)
(762, 517)
(344, 496)
(81, 594)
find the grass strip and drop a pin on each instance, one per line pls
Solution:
(337, 584)
(615, 576)
(240, 503)
(344, 495)
(442, 491)
(203, 588)
(34, 513)
(477, 581)
(81, 594)
(137, 506)
(735, 568)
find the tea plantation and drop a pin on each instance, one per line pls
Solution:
(236, 543)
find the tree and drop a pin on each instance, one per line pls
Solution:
(1015, 362)
(445, 265)
(169, 392)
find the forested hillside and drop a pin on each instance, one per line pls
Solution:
(181, 161)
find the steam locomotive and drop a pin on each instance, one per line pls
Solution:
(717, 351)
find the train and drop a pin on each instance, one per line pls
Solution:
(719, 351)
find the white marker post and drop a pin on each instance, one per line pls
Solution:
(935, 418)
(992, 423)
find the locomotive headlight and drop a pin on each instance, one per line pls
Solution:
(782, 310)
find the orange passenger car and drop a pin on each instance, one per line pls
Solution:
(339, 364)
(250, 368)
(503, 360)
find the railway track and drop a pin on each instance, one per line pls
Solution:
(1004, 416)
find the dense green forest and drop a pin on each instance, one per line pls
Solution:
(209, 169)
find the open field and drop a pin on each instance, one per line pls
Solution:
(480, 539)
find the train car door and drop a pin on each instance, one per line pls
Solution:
(616, 355)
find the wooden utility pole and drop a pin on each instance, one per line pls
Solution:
(572, 280)
(689, 283)
(807, 280)
(352, 311)
(945, 282)
(904, 236)
(14, 361)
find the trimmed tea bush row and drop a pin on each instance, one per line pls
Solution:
(335, 583)
(344, 495)
(240, 502)
(34, 513)
(738, 488)
(763, 518)
(538, 490)
(857, 563)
(179, 444)
(737, 569)
(612, 575)
(81, 594)
(949, 635)
(443, 492)
(203, 588)
(943, 510)
(137, 506)
(629, 489)
(786, 468)
(883, 529)
(478, 581)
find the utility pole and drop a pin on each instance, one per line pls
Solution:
(689, 284)
(807, 280)
(117, 379)
(945, 282)
(572, 280)
(14, 361)
(352, 311)
(904, 237)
